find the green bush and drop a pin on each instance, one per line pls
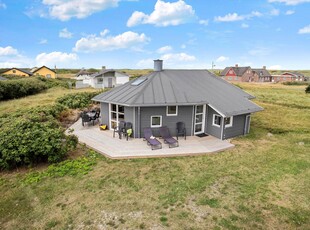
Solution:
(295, 83)
(33, 136)
(78, 100)
(58, 82)
(308, 89)
(19, 88)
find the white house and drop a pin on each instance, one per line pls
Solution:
(106, 78)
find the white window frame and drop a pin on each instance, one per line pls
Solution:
(167, 109)
(117, 112)
(161, 120)
(230, 123)
(213, 120)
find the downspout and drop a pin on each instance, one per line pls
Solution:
(139, 116)
(193, 121)
(223, 126)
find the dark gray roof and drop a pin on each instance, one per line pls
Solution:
(3, 78)
(239, 71)
(105, 71)
(182, 87)
(262, 72)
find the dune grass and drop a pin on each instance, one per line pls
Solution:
(263, 183)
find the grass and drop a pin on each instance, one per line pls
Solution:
(263, 183)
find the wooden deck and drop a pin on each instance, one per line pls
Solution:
(115, 148)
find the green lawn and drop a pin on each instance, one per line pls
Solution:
(263, 183)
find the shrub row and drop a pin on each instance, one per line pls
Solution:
(19, 88)
(59, 82)
(32, 138)
(295, 83)
(78, 100)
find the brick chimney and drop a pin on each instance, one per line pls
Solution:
(103, 67)
(264, 67)
(158, 65)
(236, 65)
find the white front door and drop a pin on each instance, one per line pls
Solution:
(199, 123)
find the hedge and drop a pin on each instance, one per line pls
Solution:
(32, 138)
(78, 100)
(19, 88)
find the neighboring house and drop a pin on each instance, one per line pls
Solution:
(237, 73)
(3, 78)
(262, 75)
(203, 101)
(44, 71)
(17, 72)
(82, 75)
(106, 78)
(288, 76)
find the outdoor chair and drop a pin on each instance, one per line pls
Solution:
(151, 140)
(127, 130)
(168, 139)
(180, 130)
(86, 118)
(119, 129)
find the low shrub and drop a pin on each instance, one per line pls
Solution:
(295, 83)
(78, 100)
(19, 88)
(308, 89)
(58, 82)
(32, 138)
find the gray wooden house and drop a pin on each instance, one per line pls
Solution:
(204, 102)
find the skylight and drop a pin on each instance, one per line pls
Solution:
(139, 81)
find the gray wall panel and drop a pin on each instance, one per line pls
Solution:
(104, 110)
(184, 114)
(211, 129)
(237, 128)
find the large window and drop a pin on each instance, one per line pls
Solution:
(172, 110)
(217, 119)
(228, 122)
(156, 121)
(117, 114)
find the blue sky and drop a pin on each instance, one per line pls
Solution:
(132, 33)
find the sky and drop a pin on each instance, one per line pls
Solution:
(189, 34)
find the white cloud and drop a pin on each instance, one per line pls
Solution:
(274, 12)
(305, 30)
(43, 41)
(275, 67)
(8, 51)
(177, 57)
(260, 51)
(222, 59)
(232, 17)
(64, 33)
(183, 46)
(290, 2)
(229, 18)
(164, 14)
(290, 12)
(55, 58)
(244, 25)
(204, 22)
(164, 49)
(104, 32)
(65, 10)
(125, 40)
(145, 63)
(2, 5)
